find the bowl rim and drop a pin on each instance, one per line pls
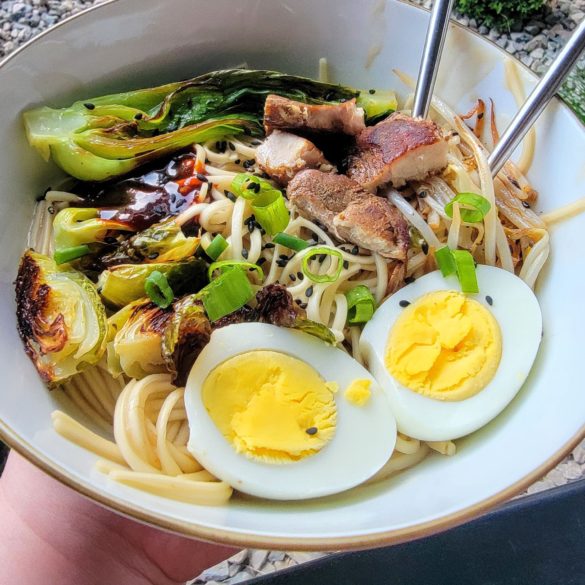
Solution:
(244, 539)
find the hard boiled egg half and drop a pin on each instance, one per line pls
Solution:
(280, 414)
(452, 362)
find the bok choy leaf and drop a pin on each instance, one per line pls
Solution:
(105, 137)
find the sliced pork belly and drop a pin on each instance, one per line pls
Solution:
(397, 150)
(375, 224)
(283, 114)
(349, 212)
(282, 155)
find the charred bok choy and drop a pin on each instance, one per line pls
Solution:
(125, 283)
(145, 339)
(108, 136)
(61, 318)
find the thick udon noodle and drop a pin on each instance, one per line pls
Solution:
(146, 419)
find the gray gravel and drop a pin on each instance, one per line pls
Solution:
(536, 45)
(540, 39)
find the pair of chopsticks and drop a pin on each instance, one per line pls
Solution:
(532, 107)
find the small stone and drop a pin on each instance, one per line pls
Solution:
(537, 53)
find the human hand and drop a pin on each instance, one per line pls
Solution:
(53, 536)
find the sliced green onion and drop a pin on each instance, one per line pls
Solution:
(291, 242)
(465, 271)
(361, 304)
(249, 186)
(267, 202)
(473, 207)
(65, 255)
(445, 261)
(322, 277)
(224, 265)
(217, 247)
(271, 211)
(227, 293)
(159, 290)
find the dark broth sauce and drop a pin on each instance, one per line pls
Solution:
(144, 198)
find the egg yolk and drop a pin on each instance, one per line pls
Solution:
(358, 392)
(271, 406)
(444, 346)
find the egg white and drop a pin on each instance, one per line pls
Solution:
(518, 314)
(364, 437)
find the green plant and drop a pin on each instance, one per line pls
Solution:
(573, 92)
(502, 13)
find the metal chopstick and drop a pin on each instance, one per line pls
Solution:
(537, 100)
(431, 57)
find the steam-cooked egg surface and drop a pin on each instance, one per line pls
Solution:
(452, 362)
(281, 414)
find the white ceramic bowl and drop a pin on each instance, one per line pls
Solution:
(126, 44)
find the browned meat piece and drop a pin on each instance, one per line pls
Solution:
(397, 150)
(350, 213)
(373, 223)
(322, 196)
(282, 155)
(284, 114)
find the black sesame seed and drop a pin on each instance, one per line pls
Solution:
(51, 209)
(372, 91)
(309, 292)
(355, 251)
(292, 277)
(346, 264)
(245, 253)
(89, 106)
(237, 161)
(321, 258)
(422, 194)
(231, 196)
(303, 305)
(269, 245)
(312, 431)
(249, 163)
(281, 263)
(514, 182)
(480, 116)
(298, 301)
(409, 280)
(251, 226)
(526, 204)
(232, 146)
(489, 300)
(300, 275)
(138, 116)
(202, 178)
(404, 303)
(284, 257)
(260, 261)
(248, 220)
(424, 247)
(153, 255)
